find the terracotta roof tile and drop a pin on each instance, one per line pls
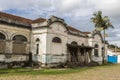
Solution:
(14, 17)
(73, 29)
(87, 32)
(29, 21)
(38, 20)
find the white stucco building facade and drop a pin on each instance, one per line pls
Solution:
(49, 41)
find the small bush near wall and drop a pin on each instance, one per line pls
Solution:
(93, 63)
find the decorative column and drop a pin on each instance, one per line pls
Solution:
(8, 48)
(29, 54)
(68, 55)
(85, 56)
(27, 47)
(90, 55)
(8, 51)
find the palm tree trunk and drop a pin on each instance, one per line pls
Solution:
(103, 54)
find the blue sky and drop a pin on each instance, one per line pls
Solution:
(75, 12)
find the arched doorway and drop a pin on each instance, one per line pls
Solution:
(19, 44)
(73, 51)
(2, 43)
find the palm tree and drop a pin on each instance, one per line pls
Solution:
(101, 24)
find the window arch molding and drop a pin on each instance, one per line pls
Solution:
(56, 40)
(74, 43)
(3, 35)
(20, 38)
(82, 44)
(37, 40)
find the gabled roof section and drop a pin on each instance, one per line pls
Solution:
(24, 22)
(57, 18)
(96, 32)
(39, 20)
(73, 29)
(9, 18)
(53, 19)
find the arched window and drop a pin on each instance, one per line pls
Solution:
(37, 46)
(19, 46)
(20, 38)
(37, 40)
(2, 43)
(56, 40)
(82, 44)
(96, 50)
(103, 51)
(2, 36)
(74, 43)
(103, 48)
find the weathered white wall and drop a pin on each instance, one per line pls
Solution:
(10, 32)
(57, 51)
(79, 40)
(118, 58)
(2, 58)
(97, 40)
(50, 52)
(42, 35)
(39, 24)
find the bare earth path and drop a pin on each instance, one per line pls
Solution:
(99, 73)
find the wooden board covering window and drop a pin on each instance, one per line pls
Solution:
(19, 48)
(2, 47)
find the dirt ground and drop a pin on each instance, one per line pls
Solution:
(99, 73)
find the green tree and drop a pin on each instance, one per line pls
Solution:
(101, 24)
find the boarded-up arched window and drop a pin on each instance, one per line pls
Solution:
(19, 38)
(56, 40)
(2, 43)
(96, 50)
(19, 47)
(2, 36)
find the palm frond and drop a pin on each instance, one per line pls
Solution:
(101, 22)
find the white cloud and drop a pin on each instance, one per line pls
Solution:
(76, 12)
(23, 4)
(67, 5)
(109, 7)
(117, 43)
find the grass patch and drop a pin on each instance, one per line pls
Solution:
(57, 71)
(24, 71)
(30, 71)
